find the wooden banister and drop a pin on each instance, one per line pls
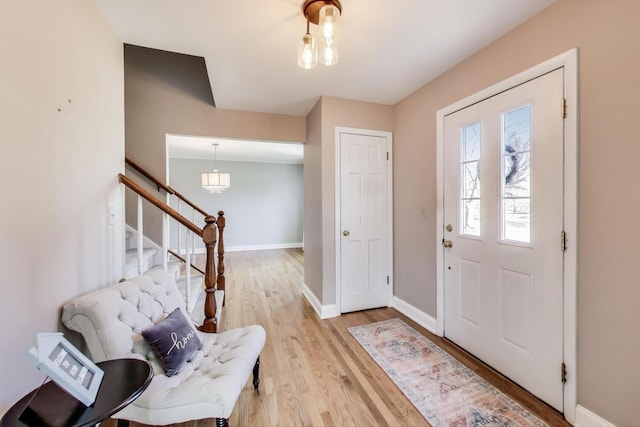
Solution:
(210, 234)
(147, 175)
(175, 254)
(209, 237)
(164, 187)
(220, 281)
(160, 204)
(190, 203)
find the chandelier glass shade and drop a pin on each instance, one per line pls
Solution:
(308, 52)
(215, 182)
(325, 14)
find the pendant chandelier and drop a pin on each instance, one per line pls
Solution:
(215, 182)
(324, 13)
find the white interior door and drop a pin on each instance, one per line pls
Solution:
(363, 221)
(503, 218)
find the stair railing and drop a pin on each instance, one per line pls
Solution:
(211, 233)
(181, 235)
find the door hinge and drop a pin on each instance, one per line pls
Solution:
(564, 108)
(387, 280)
(563, 376)
(387, 155)
(563, 241)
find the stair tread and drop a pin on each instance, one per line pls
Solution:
(172, 267)
(145, 251)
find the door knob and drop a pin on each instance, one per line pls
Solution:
(345, 233)
(447, 243)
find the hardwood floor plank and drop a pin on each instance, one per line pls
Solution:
(313, 372)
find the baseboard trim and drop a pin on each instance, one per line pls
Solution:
(200, 251)
(586, 418)
(415, 314)
(263, 247)
(323, 311)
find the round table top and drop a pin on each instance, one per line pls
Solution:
(124, 380)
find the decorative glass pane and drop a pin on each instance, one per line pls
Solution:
(470, 217)
(517, 220)
(471, 142)
(517, 175)
(516, 179)
(470, 180)
(517, 130)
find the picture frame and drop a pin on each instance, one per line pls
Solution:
(67, 366)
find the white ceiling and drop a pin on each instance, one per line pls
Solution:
(388, 49)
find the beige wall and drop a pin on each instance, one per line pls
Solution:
(68, 232)
(319, 183)
(607, 34)
(344, 113)
(58, 169)
(155, 106)
(313, 201)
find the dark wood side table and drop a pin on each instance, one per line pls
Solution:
(124, 380)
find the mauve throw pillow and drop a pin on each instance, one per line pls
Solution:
(173, 341)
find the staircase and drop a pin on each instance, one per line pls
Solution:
(202, 291)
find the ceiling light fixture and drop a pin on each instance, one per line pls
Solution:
(215, 182)
(324, 13)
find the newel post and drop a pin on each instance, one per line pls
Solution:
(209, 238)
(220, 279)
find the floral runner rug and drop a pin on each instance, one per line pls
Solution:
(446, 392)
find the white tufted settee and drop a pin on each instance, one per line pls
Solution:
(111, 320)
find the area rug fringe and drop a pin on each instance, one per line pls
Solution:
(445, 392)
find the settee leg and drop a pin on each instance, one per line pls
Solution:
(222, 422)
(256, 374)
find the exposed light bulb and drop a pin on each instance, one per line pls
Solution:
(328, 16)
(328, 29)
(308, 52)
(329, 54)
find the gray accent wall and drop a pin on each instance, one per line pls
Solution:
(263, 207)
(158, 103)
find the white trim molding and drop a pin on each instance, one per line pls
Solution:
(324, 311)
(267, 247)
(569, 62)
(586, 418)
(415, 314)
(263, 247)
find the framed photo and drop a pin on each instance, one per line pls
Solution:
(67, 366)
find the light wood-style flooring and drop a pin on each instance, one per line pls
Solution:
(313, 372)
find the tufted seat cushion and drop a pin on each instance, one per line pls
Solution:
(111, 321)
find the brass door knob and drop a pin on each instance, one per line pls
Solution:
(345, 233)
(447, 243)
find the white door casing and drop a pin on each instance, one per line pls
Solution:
(363, 219)
(567, 64)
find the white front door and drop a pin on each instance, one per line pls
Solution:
(363, 220)
(503, 219)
